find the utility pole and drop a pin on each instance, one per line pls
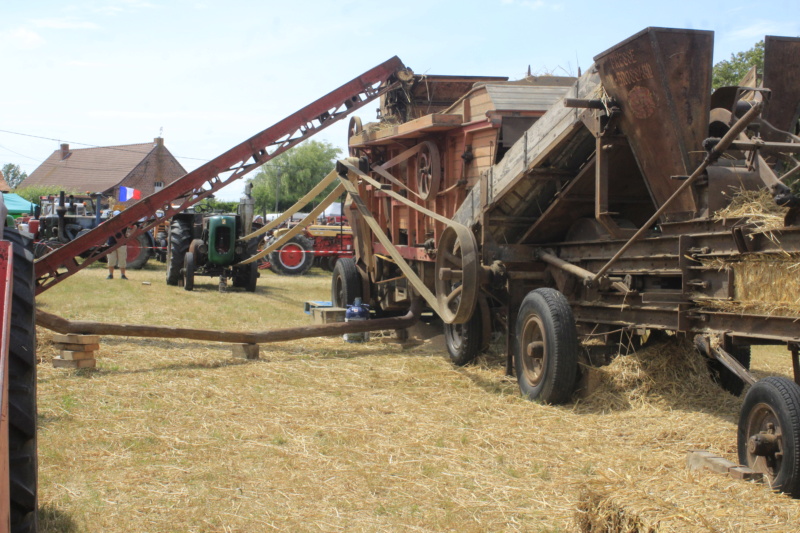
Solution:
(278, 188)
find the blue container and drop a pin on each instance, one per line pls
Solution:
(356, 313)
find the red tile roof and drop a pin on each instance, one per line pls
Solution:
(89, 169)
(4, 187)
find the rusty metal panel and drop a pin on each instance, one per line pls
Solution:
(662, 78)
(6, 287)
(782, 77)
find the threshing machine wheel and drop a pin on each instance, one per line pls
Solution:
(546, 351)
(180, 237)
(465, 341)
(345, 283)
(188, 271)
(22, 389)
(769, 432)
(293, 258)
(429, 170)
(457, 274)
(138, 252)
(353, 129)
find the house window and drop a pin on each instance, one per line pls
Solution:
(158, 185)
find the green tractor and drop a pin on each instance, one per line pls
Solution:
(207, 244)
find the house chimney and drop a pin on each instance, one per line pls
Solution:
(158, 141)
(64, 151)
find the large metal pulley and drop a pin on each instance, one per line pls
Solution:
(429, 170)
(457, 280)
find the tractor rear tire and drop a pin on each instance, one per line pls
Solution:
(294, 258)
(546, 347)
(22, 390)
(180, 237)
(345, 283)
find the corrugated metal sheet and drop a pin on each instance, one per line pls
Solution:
(524, 97)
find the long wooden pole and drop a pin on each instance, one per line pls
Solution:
(64, 326)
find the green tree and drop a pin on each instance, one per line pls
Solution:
(285, 179)
(33, 192)
(13, 175)
(731, 71)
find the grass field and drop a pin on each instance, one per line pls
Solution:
(320, 435)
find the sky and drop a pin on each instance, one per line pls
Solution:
(207, 75)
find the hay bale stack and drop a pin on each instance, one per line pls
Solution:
(763, 284)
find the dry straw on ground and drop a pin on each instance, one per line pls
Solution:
(321, 435)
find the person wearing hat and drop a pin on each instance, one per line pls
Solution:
(117, 258)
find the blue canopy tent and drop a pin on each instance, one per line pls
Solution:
(17, 205)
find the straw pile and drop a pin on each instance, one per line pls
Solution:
(754, 207)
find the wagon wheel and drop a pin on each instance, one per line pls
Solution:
(769, 432)
(353, 129)
(546, 347)
(429, 170)
(456, 274)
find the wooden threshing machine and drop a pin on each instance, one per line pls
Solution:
(557, 210)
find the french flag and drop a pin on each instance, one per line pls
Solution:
(129, 193)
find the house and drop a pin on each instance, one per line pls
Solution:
(147, 167)
(4, 187)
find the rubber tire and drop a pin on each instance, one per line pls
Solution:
(42, 248)
(724, 377)
(180, 236)
(22, 390)
(143, 245)
(345, 283)
(301, 241)
(246, 276)
(783, 395)
(561, 338)
(188, 271)
(465, 341)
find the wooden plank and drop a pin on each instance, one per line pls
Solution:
(77, 347)
(545, 134)
(77, 339)
(410, 129)
(70, 355)
(82, 363)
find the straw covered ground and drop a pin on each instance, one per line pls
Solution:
(321, 435)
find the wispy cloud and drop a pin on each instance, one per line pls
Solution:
(86, 64)
(759, 28)
(124, 6)
(22, 39)
(68, 23)
(535, 4)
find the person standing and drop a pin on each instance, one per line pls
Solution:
(117, 258)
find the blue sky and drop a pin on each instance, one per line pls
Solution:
(208, 75)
